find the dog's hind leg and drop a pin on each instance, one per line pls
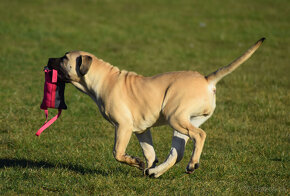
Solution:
(122, 137)
(146, 143)
(184, 126)
(176, 154)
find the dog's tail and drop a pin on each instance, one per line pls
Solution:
(216, 76)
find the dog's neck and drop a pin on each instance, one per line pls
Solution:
(101, 77)
(96, 80)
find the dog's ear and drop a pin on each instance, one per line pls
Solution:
(85, 62)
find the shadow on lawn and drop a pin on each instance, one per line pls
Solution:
(42, 164)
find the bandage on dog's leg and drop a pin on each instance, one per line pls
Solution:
(146, 143)
(184, 126)
(175, 155)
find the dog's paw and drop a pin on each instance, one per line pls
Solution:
(140, 164)
(189, 169)
(149, 173)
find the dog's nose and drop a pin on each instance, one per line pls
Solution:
(52, 62)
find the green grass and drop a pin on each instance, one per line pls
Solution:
(247, 146)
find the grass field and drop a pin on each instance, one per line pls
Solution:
(247, 146)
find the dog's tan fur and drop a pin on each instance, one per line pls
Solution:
(134, 103)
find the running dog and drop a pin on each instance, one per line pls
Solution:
(133, 103)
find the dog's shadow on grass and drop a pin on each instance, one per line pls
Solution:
(24, 163)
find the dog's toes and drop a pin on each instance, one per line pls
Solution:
(147, 173)
(196, 166)
(141, 164)
(189, 170)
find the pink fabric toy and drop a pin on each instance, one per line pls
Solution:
(53, 97)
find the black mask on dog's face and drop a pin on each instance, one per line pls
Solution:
(72, 66)
(57, 64)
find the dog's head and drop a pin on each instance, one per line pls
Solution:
(72, 66)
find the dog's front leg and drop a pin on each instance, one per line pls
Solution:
(122, 137)
(146, 143)
(176, 154)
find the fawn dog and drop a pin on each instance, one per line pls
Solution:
(133, 104)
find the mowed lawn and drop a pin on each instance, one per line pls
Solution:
(247, 145)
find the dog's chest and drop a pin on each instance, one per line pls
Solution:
(147, 122)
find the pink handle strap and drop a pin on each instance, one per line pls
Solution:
(54, 76)
(47, 124)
